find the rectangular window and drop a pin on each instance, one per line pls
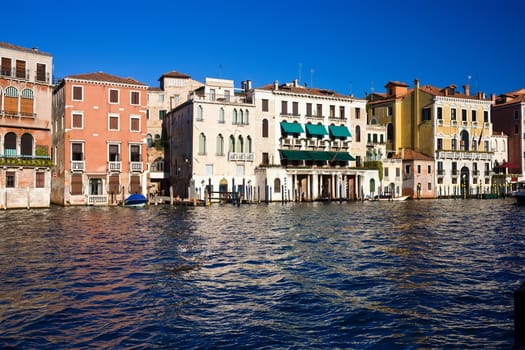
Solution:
(284, 107)
(41, 72)
(440, 113)
(439, 144)
(265, 158)
(429, 169)
(452, 114)
(77, 152)
(429, 186)
(113, 122)
(419, 169)
(113, 95)
(135, 123)
(6, 66)
(398, 171)
(162, 114)
(113, 153)
(407, 169)
(440, 168)
(332, 111)
(40, 179)
(76, 184)
(386, 172)
(78, 93)
(454, 168)
(357, 113)
(389, 110)
(342, 112)
(295, 108)
(319, 110)
(10, 179)
(454, 144)
(485, 116)
(265, 105)
(474, 116)
(425, 114)
(21, 69)
(464, 115)
(77, 121)
(134, 153)
(486, 143)
(308, 109)
(135, 98)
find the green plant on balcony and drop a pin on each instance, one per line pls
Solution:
(41, 151)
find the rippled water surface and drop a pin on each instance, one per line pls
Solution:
(360, 275)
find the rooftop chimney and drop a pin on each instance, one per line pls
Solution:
(416, 83)
(276, 85)
(248, 85)
(466, 88)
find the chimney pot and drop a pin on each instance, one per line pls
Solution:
(466, 88)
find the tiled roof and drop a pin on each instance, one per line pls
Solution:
(175, 74)
(396, 83)
(105, 77)
(410, 154)
(307, 91)
(23, 49)
(433, 90)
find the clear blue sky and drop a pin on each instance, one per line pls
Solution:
(348, 46)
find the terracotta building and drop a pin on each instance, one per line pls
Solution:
(25, 127)
(99, 123)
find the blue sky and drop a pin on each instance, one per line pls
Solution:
(348, 46)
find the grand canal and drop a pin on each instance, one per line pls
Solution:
(427, 274)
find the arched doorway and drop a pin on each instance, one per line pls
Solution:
(464, 140)
(465, 181)
(223, 188)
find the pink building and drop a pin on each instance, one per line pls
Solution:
(99, 123)
(25, 127)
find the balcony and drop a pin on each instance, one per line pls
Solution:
(221, 98)
(78, 165)
(136, 166)
(22, 160)
(44, 77)
(441, 172)
(240, 157)
(114, 166)
(311, 143)
(97, 199)
(464, 155)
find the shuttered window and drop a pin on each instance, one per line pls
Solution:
(76, 184)
(113, 96)
(40, 179)
(21, 69)
(6, 66)
(135, 98)
(77, 93)
(135, 123)
(134, 153)
(113, 122)
(11, 100)
(134, 184)
(77, 121)
(40, 72)
(114, 183)
(26, 102)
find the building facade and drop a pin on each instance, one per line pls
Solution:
(211, 138)
(99, 125)
(26, 88)
(508, 116)
(174, 90)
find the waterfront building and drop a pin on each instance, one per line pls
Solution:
(311, 144)
(508, 117)
(453, 128)
(173, 90)
(211, 142)
(99, 139)
(26, 88)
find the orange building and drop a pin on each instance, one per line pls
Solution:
(99, 140)
(25, 127)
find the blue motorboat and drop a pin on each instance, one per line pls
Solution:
(136, 200)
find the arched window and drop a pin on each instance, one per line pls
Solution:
(158, 164)
(231, 144)
(277, 185)
(372, 185)
(248, 144)
(200, 113)
(221, 115)
(26, 145)
(220, 145)
(357, 133)
(240, 144)
(265, 128)
(149, 140)
(11, 100)
(464, 140)
(10, 144)
(241, 117)
(234, 116)
(202, 144)
(246, 117)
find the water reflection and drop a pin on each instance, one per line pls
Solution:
(416, 274)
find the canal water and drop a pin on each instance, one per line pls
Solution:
(429, 274)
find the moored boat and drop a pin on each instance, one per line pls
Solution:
(386, 197)
(519, 194)
(136, 200)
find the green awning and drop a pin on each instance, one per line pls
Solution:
(339, 131)
(294, 155)
(316, 130)
(343, 156)
(291, 128)
(320, 155)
